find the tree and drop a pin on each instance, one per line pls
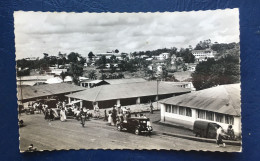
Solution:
(45, 55)
(184, 67)
(212, 73)
(75, 70)
(178, 62)
(73, 57)
(203, 45)
(116, 51)
(164, 73)
(92, 74)
(113, 58)
(90, 55)
(63, 75)
(187, 56)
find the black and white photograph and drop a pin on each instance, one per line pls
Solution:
(157, 80)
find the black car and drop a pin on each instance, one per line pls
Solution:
(136, 125)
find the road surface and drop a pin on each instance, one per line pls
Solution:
(57, 135)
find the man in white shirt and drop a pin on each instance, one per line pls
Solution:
(219, 136)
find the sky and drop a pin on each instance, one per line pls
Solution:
(52, 32)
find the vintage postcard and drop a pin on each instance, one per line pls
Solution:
(129, 80)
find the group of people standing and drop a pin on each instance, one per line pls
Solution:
(117, 114)
(220, 134)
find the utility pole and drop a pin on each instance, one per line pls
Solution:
(21, 90)
(157, 92)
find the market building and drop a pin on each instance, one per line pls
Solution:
(31, 93)
(219, 104)
(126, 94)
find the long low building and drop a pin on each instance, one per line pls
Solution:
(126, 94)
(30, 93)
(219, 104)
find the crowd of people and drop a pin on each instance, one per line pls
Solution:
(117, 114)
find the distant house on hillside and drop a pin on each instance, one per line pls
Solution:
(203, 55)
(108, 55)
(92, 83)
(163, 56)
(32, 58)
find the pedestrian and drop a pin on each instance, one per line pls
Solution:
(120, 117)
(31, 148)
(47, 114)
(219, 136)
(149, 128)
(63, 115)
(96, 111)
(114, 115)
(51, 117)
(105, 115)
(151, 107)
(82, 115)
(109, 117)
(230, 132)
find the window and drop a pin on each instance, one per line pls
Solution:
(210, 116)
(219, 117)
(188, 112)
(229, 119)
(201, 114)
(181, 110)
(168, 108)
(175, 109)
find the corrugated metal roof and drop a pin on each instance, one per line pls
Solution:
(127, 90)
(39, 77)
(30, 92)
(221, 99)
(122, 81)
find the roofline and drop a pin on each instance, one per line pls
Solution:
(199, 109)
(49, 95)
(131, 97)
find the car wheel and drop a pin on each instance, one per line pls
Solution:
(119, 128)
(137, 132)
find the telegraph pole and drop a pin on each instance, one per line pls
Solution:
(157, 92)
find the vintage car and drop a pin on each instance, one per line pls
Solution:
(137, 125)
(205, 129)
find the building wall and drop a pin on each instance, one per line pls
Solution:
(188, 121)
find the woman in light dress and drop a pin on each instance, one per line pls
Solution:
(63, 115)
(109, 117)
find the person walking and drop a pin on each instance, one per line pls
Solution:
(114, 115)
(105, 115)
(151, 107)
(219, 136)
(82, 115)
(62, 115)
(109, 118)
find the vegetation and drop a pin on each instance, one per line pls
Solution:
(224, 69)
(212, 73)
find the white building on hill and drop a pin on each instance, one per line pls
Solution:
(203, 55)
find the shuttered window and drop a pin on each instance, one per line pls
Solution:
(229, 119)
(168, 108)
(201, 114)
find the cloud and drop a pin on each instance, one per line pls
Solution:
(46, 32)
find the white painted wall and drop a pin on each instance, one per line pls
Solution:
(188, 122)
